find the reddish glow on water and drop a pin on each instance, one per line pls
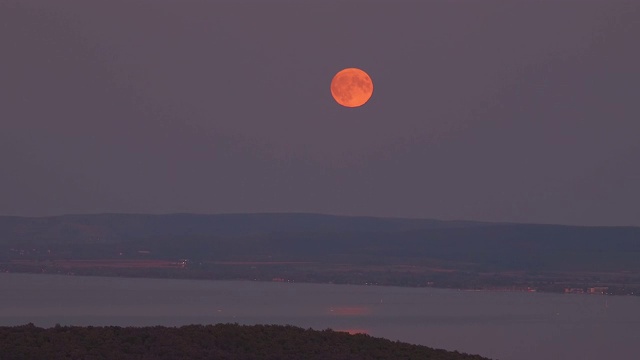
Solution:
(350, 311)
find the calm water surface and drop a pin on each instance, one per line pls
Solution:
(498, 325)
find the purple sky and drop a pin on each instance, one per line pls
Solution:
(519, 111)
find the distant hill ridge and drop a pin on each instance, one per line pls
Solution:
(326, 239)
(118, 227)
(123, 227)
(459, 248)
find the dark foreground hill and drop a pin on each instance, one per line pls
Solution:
(222, 341)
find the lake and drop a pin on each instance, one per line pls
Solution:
(501, 325)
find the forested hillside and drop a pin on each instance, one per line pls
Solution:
(219, 342)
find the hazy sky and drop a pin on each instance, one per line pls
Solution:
(509, 110)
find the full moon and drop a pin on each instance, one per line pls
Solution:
(351, 87)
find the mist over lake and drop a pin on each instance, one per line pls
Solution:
(502, 325)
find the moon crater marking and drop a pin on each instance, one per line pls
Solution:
(351, 87)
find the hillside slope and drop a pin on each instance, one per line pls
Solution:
(222, 341)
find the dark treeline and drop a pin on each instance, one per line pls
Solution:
(222, 341)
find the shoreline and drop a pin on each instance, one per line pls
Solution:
(512, 289)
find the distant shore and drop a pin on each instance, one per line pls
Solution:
(291, 272)
(325, 249)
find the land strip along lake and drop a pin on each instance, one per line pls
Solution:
(501, 325)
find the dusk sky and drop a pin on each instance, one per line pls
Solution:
(514, 111)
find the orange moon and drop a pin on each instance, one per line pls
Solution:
(351, 87)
